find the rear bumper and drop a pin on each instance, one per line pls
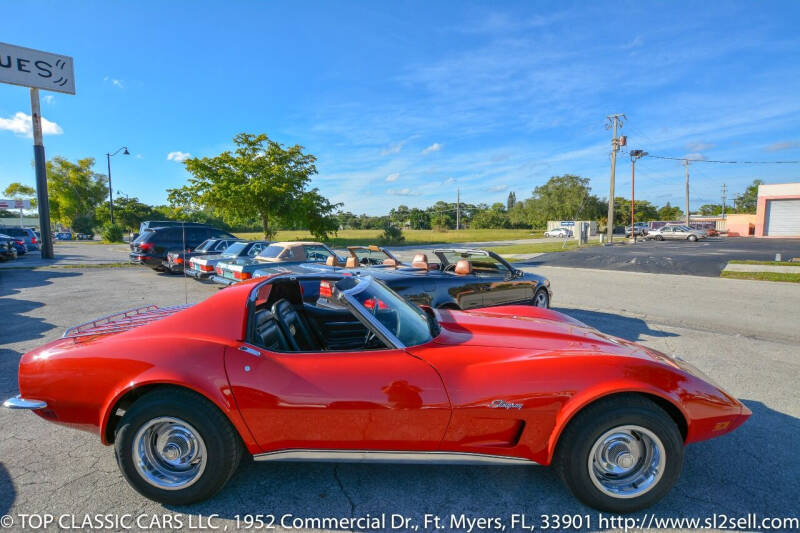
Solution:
(172, 267)
(198, 274)
(142, 259)
(18, 402)
(223, 281)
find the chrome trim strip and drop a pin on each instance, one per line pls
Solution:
(381, 456)
(18, 402)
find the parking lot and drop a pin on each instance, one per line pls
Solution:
(742, 333)
(703, 258)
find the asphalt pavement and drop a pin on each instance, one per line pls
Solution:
(742, 333)
(706, 257)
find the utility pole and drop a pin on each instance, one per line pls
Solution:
(458, 209)
(686, 162)
(616, 120)
(724, 197)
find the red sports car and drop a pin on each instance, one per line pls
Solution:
(337, 367)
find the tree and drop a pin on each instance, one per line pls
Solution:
(512, 199)
(748, 200)
(399, 215)
(561, 198)
(491, 218)
(669, 212)
(419, 219)
(259, 177)
(75, 191)
(710, 210)
(129, 212)
(20, 191)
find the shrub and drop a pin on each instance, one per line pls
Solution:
(112, 232)
(391, 235)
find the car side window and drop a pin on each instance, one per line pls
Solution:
(221, 245)
(255, 250)
(317, 254)
(488, 267)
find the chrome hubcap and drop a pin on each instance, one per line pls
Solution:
(627, 461)
(169, 453)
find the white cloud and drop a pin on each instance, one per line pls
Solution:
(699, 146)
(403, 192)
(498, 188)
(48, 98)
(392, 177)
(695, 157)
(21, 124)
(786, 145)
(178, 156)
(120, 84)
(449, 180)
(435, 147)
(393, 148)
(138, 156)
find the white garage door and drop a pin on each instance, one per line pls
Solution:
(783, 217)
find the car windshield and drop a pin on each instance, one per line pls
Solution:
(410, 324)
(234, 249)
(271, 252)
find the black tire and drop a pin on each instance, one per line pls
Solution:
(222, 444)
(541, 294)
(576, 443)
(659, 237)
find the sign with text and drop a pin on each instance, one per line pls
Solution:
(34, 68)
(567, 222)
(15, 204)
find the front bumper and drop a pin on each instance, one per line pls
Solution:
(18, 402)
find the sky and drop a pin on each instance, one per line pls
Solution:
(408, 102)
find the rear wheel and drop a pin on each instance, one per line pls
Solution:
(176, 448)
(541, 299)
(659, 237)
(692, 238)
(620, 455)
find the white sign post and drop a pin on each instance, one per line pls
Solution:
(16, 204)
(38, 70)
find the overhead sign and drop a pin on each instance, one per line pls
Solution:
(15, 204)
(34, 68)
(567, 222)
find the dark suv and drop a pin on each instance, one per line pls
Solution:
(151, 248)
(26, 234)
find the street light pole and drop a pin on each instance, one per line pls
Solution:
(635, 154)
(110, 192)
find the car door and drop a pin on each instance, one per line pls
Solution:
(358, 400)
(497, 284)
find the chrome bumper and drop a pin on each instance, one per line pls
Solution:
(18, 402)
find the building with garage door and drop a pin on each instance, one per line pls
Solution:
(778, 212)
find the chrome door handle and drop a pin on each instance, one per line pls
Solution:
(251, 351)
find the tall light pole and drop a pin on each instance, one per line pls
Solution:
(635, 154)
(616, 120)
(110, 193)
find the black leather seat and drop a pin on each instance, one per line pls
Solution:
(294, 326)
(269, 334)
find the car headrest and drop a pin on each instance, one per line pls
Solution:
(463, 267)
(352, 262)
(332, 261)
(420, 261)
(390, 262)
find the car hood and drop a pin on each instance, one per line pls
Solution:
(542, 332)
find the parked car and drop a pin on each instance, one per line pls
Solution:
(152, 247)
(711, 232)
(640, 229)
(8, 249)
(176, 261)
(150, 224)
(17, 243)
(284, 253)
(675, 232)
(63, 236)
(558, 232)
(461, 279)
(372, 255)
(29, 237)
(202, 267)
(361, 374)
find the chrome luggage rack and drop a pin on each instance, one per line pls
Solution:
(122, 321)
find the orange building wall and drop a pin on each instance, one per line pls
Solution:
(740, 225)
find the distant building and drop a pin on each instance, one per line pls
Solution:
(778, 211)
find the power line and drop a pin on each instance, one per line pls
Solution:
(725, 162)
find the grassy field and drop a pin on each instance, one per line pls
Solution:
(540, 248)
(369, 236)
(762, 276)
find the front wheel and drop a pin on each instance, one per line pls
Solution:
(659, 237)
(541, 299)
(620, 455)
(176, 448)
(692, 238)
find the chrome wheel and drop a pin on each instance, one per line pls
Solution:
(541, 299)
(627, 461)
(169, 453)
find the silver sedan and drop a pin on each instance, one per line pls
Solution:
(679, 233)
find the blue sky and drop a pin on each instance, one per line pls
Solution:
(403, 102)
